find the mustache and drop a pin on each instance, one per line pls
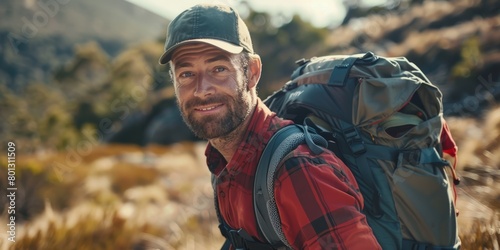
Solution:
(206, 101)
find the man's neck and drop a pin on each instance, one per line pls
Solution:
(228, 144)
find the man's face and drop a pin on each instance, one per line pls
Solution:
(211, 89)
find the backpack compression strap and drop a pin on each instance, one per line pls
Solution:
(281, 144)
(239, 239)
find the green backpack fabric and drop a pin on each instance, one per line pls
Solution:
(383, 118)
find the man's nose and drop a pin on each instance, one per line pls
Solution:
(204, 87)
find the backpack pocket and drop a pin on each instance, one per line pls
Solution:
(423, 198)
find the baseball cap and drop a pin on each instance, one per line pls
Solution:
(215, 24)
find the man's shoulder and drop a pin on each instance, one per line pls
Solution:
(303, 157)
(301, 162)
(277, 123)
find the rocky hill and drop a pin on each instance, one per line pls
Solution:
(37, 37)
(454, 42)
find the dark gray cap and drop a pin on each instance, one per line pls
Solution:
(218, 25)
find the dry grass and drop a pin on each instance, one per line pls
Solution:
(127, 197)
(479, 168)
(483, 235)
(107, 231)
(115, 197)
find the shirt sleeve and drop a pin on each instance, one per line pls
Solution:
(319, 203)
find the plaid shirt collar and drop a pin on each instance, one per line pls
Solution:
(260, 129)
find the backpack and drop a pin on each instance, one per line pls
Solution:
(383, 118)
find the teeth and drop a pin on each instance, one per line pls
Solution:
(206, 109)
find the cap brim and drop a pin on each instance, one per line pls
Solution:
(229, 47)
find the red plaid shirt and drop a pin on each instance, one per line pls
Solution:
(317, 197)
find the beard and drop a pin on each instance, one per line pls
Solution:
(215, 126)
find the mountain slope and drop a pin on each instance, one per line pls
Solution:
(38, 36)
(455, 43)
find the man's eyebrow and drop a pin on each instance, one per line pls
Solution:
(218, 58)
(181, 64)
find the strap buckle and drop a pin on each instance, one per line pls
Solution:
(236, 239)
(354, 141)
(239, 238)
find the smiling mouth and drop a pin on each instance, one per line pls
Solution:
(208, 108)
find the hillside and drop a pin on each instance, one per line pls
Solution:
(455, 43)
(37, 37)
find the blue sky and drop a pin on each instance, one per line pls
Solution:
(319, 12)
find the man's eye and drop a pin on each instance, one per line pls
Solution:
(186, 74)
(220, 69)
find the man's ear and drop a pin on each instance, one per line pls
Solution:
(254, 71)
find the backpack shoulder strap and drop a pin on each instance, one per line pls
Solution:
(281, 144)
(239, 239)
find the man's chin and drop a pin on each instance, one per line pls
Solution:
(208, 134)
(208, 130)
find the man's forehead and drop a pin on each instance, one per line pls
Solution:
(198, 50)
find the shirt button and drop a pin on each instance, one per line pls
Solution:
(222, 194)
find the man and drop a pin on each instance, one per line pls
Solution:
(215, 73)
